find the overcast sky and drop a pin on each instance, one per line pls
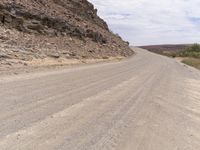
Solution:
(144, 22)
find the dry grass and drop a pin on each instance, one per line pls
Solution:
(195, 62)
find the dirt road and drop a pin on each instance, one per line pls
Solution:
(148, 102)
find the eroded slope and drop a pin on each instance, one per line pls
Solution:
(40, 29)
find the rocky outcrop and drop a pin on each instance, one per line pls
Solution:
(71, 26)
(16, 17)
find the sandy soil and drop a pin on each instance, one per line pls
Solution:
(37, 65)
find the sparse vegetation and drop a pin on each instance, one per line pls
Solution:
(192, 62)
(193, 51)
(190, 54)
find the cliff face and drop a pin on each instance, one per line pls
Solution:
(37, 29)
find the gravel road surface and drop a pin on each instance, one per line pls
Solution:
(147, 102)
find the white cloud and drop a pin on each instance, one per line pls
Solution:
(151, 21)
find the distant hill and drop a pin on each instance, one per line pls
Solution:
(166, 48)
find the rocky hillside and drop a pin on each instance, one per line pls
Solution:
(33, 30)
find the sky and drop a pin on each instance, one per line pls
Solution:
(149, 22)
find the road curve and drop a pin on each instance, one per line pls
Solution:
(148, 102)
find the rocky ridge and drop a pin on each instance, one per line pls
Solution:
(68, 29)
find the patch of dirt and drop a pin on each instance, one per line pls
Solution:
(179, 59)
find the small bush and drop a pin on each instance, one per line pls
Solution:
(169, 54)
(192, 51)
(194, 48)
